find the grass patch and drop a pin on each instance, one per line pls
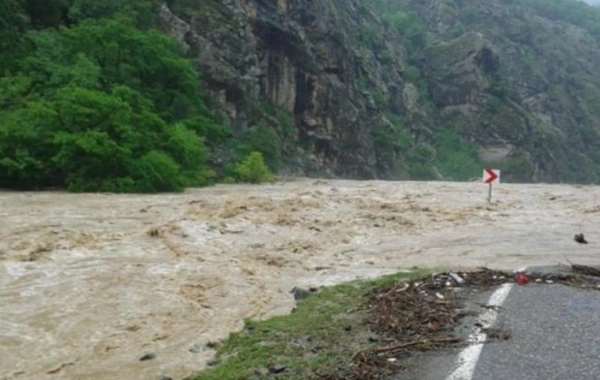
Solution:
(318, 338)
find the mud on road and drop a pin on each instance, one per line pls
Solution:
(91, 283)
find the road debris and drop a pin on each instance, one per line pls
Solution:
(496, 334)
(457, 279)
(523, 280)
(422, 315)
(490, 307)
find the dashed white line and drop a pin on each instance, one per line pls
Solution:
(467, 359)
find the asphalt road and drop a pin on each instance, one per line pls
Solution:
(553, 333)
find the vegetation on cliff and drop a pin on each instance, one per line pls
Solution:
(97, 97)
(513, 79)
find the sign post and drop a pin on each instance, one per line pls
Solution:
(490, 176)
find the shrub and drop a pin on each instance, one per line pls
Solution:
(368, 36)
(419, 162)
(458, 30)
(412, 74)
(378, 98)
(457, 159)
(253, 169)
(387, 57)
(262, 139)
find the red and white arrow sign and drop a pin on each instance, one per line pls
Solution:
(491, 175)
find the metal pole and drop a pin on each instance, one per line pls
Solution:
(490, 194)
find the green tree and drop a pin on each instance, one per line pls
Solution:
(12, 25)
(46, 13)
(253, 169)
(103, 106)
(142, 11)
(149, 62)
(400, 21)
(262, 139)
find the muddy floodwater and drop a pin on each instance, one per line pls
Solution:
(91, 283)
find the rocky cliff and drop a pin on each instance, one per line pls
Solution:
(534, 95)
(402, 89)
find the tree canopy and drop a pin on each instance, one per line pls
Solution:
(92, 101)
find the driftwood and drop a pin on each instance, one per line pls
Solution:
(428, 342)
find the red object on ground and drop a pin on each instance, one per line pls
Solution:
(522, 279)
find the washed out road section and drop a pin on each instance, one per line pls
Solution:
(90, 283)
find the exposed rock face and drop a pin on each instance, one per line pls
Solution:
(460, 69)
(547, 123)
(518, 86)
(304, 56)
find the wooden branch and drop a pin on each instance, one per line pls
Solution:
(381, 350)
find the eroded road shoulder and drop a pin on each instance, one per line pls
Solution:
(547, 329)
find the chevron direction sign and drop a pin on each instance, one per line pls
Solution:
(491, 175)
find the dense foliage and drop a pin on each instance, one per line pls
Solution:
(94, 99)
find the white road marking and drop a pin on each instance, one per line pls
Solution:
(467, 359)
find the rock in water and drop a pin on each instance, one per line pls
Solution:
(300, 293)
(580, 239)
(147, 357)
(195, 349)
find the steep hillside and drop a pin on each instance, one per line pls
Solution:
(306, 58)
(384, 88)
(97, 97)
(539, 107)
(333, 67)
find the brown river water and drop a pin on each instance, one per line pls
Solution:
(89, 283)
